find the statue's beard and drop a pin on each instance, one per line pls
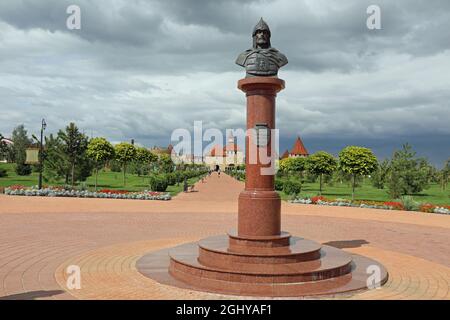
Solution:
(261, 43)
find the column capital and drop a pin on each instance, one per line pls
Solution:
(261, 85)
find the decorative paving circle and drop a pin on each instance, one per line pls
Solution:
(110, 273)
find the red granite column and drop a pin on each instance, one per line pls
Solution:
(259, 203)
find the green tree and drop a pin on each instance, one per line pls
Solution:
(321, 163)
(3, 147)
(165, 163)
(74, 147)
(444, 175)
(144, 158)
(408, 174)
(357, 161)
(293, 167)
(100, 151)
(55, 160)
(125, 153)
(380, 175)
(20, 143)
(433, 174)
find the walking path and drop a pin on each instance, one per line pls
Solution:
(40, 237)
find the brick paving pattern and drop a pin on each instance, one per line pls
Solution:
(40, 237)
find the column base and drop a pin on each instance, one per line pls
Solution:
(301, 268)
(259, 214)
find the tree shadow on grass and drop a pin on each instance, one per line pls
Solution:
(418, 195)
(347, 244)
(336, 194)
(32, 295)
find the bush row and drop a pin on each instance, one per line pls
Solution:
(237, 172)
(160, 182)
(288, 186)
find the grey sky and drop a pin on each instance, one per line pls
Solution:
(139, 69)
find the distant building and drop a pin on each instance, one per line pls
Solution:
(186, 158)
(159, 150)
(177, 158)
(298, 150)
(285, 155)
(228, 156)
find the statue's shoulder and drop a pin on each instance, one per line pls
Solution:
(243, 57)
(281, 58)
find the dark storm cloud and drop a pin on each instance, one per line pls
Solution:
(328, 38)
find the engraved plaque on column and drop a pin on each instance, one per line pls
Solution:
(262, 133)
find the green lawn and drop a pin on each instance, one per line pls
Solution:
(113, 180)
(106, 180)
(13, 178)
(433, 194)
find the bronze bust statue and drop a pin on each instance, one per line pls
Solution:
(262, 60)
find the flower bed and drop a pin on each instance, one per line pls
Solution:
(431, 208)
(105, 193)
(390, 205)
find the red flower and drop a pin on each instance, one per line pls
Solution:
(17, 187)
(154, 193)
(317, 199)
(394, 205)
(427, 207)
(114, 191)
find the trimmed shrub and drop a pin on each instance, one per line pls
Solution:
(23, 169)
(279, 184)
(3, 173)
(292, 187)
(171, 178)
(179, 176)
(158, 183)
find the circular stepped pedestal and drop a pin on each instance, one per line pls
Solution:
(278, 266)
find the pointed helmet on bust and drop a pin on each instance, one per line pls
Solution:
(262, 25)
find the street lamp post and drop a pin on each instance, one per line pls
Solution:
(41, 153)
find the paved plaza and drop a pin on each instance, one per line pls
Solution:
(40, 237)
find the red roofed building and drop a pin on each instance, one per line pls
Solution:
(229, 155)
(285, 155)
(298, 150)
(216, 151)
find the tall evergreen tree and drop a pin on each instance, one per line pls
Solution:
(55, 160)
(21, 142)
(380, 175)
(407, 174)
(74, 146)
